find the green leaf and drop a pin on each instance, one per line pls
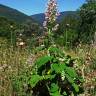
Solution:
(71, 72)
(43, 60)
(54, 49)
(64, 93)
(48, 76)
(56, 68)
(76, 87)
(69, 79)
(54, 87)
(54, 90)
(55, 94)
(34, 80)
(63, 67)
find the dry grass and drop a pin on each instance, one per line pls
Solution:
(13, 62)
(86, 55)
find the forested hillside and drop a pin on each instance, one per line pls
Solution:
(14, 14)
(41, 17)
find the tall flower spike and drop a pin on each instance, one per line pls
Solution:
(50, 24)
(51, 15)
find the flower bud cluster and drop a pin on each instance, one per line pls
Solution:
(51, 15)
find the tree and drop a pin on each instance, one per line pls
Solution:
(7, 29)
(87, 25)
(91, 1)
(67, 31)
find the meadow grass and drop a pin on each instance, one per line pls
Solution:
(15, 61)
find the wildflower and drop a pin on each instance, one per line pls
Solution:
(67, 25)
(11, 26)
(51, 16)
(21, 43)
(20, 34)
(63, 75)
(50, 24)
(44, 23)
(55, 27)
(42, 45)
(9, 67)
(54, 45)
(61, 59)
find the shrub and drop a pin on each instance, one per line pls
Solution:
(54, 75)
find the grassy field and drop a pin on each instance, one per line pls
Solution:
(16, 63)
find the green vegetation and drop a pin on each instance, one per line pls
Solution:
(54, 73)
(67, 33)
(87, 21)
(80, 28)
(57, 60)
(13, 14)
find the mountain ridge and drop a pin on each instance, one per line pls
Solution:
(20, 17)
(41, 17)
(14, 14)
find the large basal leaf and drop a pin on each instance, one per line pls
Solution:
(63, 66)
(58, 68)
(75, 86)
(70, 80)
(43, 60)
(34, 80)
(71, 72)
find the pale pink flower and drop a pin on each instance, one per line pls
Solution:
(51, 15)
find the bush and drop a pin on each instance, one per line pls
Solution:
(54, 75)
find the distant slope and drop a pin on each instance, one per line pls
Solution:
(40, 17)
(66, 13)
(14, 14)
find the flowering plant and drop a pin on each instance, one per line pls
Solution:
(51, 16)
(50, 24)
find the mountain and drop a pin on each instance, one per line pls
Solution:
(66, 13)
(20, 17)
(14, 14)
(40, 17)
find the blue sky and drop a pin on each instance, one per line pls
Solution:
(30, 7)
